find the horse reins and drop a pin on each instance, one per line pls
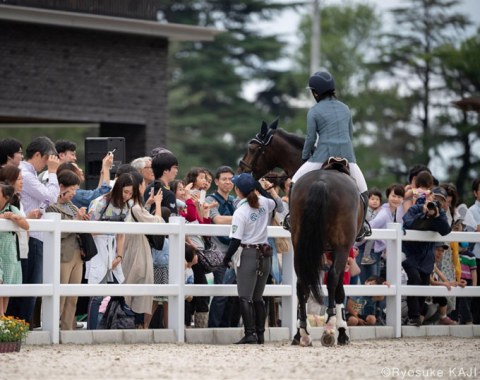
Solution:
(263, 142)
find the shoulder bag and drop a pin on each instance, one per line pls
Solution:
(155, 241)
(211, 258)
(87, 246)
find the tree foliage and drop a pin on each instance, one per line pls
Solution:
(209, 120)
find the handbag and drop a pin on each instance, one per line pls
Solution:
(117, 315)
(87, 246)
(211, 258)
(282, 245)
(155, 241)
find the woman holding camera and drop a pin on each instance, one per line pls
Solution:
(253, 255)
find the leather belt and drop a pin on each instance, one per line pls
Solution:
(256, 246)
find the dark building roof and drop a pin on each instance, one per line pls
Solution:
(468, 104)
(69, 19)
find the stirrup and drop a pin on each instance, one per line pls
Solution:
(365, 231)
(286, 222)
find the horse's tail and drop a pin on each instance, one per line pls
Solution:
(312, 239)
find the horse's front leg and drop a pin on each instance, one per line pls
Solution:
(328, 337)
(302, 337)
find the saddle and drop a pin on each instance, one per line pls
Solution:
(337, 163)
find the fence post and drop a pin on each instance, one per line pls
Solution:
(394, 277)
(51, 275)
(289, 303)
(176, 275)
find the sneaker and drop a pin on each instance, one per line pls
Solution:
(446, 321)
(367, 260)
(414, 322)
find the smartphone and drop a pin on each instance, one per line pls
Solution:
(152, 192)
(43, 206)
(202, 197)
(112, 151)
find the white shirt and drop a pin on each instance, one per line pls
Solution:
(475, 213)
(249, 225)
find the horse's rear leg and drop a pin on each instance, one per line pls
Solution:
(343, 338)
(328, 337)
(302, 337)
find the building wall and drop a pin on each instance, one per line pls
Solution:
(64, 74)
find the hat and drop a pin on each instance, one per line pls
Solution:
(244, 182)
(440, 191)
(441, 244)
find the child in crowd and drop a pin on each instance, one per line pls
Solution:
(366, 310)
(469, 278)
(365, 249)
(10, 268)
(424, 183)
(437, 278)
(191, 259)
(374, 202)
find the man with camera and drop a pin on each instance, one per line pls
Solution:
(427, 214)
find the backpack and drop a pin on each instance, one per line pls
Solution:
(225, 207)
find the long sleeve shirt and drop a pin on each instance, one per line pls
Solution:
(475, 212)
(35, 193)
(421, 254)
(380, 221)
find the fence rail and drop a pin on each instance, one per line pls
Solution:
(51, 290)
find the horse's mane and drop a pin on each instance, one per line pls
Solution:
(296, 140)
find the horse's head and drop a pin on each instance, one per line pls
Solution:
(260, 157)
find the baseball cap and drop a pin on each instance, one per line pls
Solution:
(441, 244)
(440, 191)
(244, 182)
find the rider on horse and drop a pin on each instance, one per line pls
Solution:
(331, 121)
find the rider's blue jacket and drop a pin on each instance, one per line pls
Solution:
(331, 121)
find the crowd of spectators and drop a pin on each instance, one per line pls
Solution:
(46, 177)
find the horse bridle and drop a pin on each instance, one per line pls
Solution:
(263, 142)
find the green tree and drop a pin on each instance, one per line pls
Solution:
(459, 126)
(209, 121)
(349, 44)
(408, 55)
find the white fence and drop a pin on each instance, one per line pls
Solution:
(51, 290)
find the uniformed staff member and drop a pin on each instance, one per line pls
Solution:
(249, 233)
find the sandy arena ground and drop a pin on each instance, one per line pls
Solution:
(427, 358)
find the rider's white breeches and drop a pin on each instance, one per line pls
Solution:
(354, 171)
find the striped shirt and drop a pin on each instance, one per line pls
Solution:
(468, 264)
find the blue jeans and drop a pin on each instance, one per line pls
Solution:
(217, 316)
(94, 307)
(275, 271)
(32, 273)
(371, 270)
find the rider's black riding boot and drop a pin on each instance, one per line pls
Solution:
(260, 316)
(248, 316)
(366, 230)
(286, 220)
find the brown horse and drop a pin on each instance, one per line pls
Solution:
(325, 215)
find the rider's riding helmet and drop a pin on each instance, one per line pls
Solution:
(321, 82)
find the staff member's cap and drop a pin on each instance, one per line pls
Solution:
(441, 244)
(244, 182)
(440, 191)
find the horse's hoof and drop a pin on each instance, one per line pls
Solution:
(343, 338)
(327, 339)
(305, 341)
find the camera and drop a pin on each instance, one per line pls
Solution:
(433, 205)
